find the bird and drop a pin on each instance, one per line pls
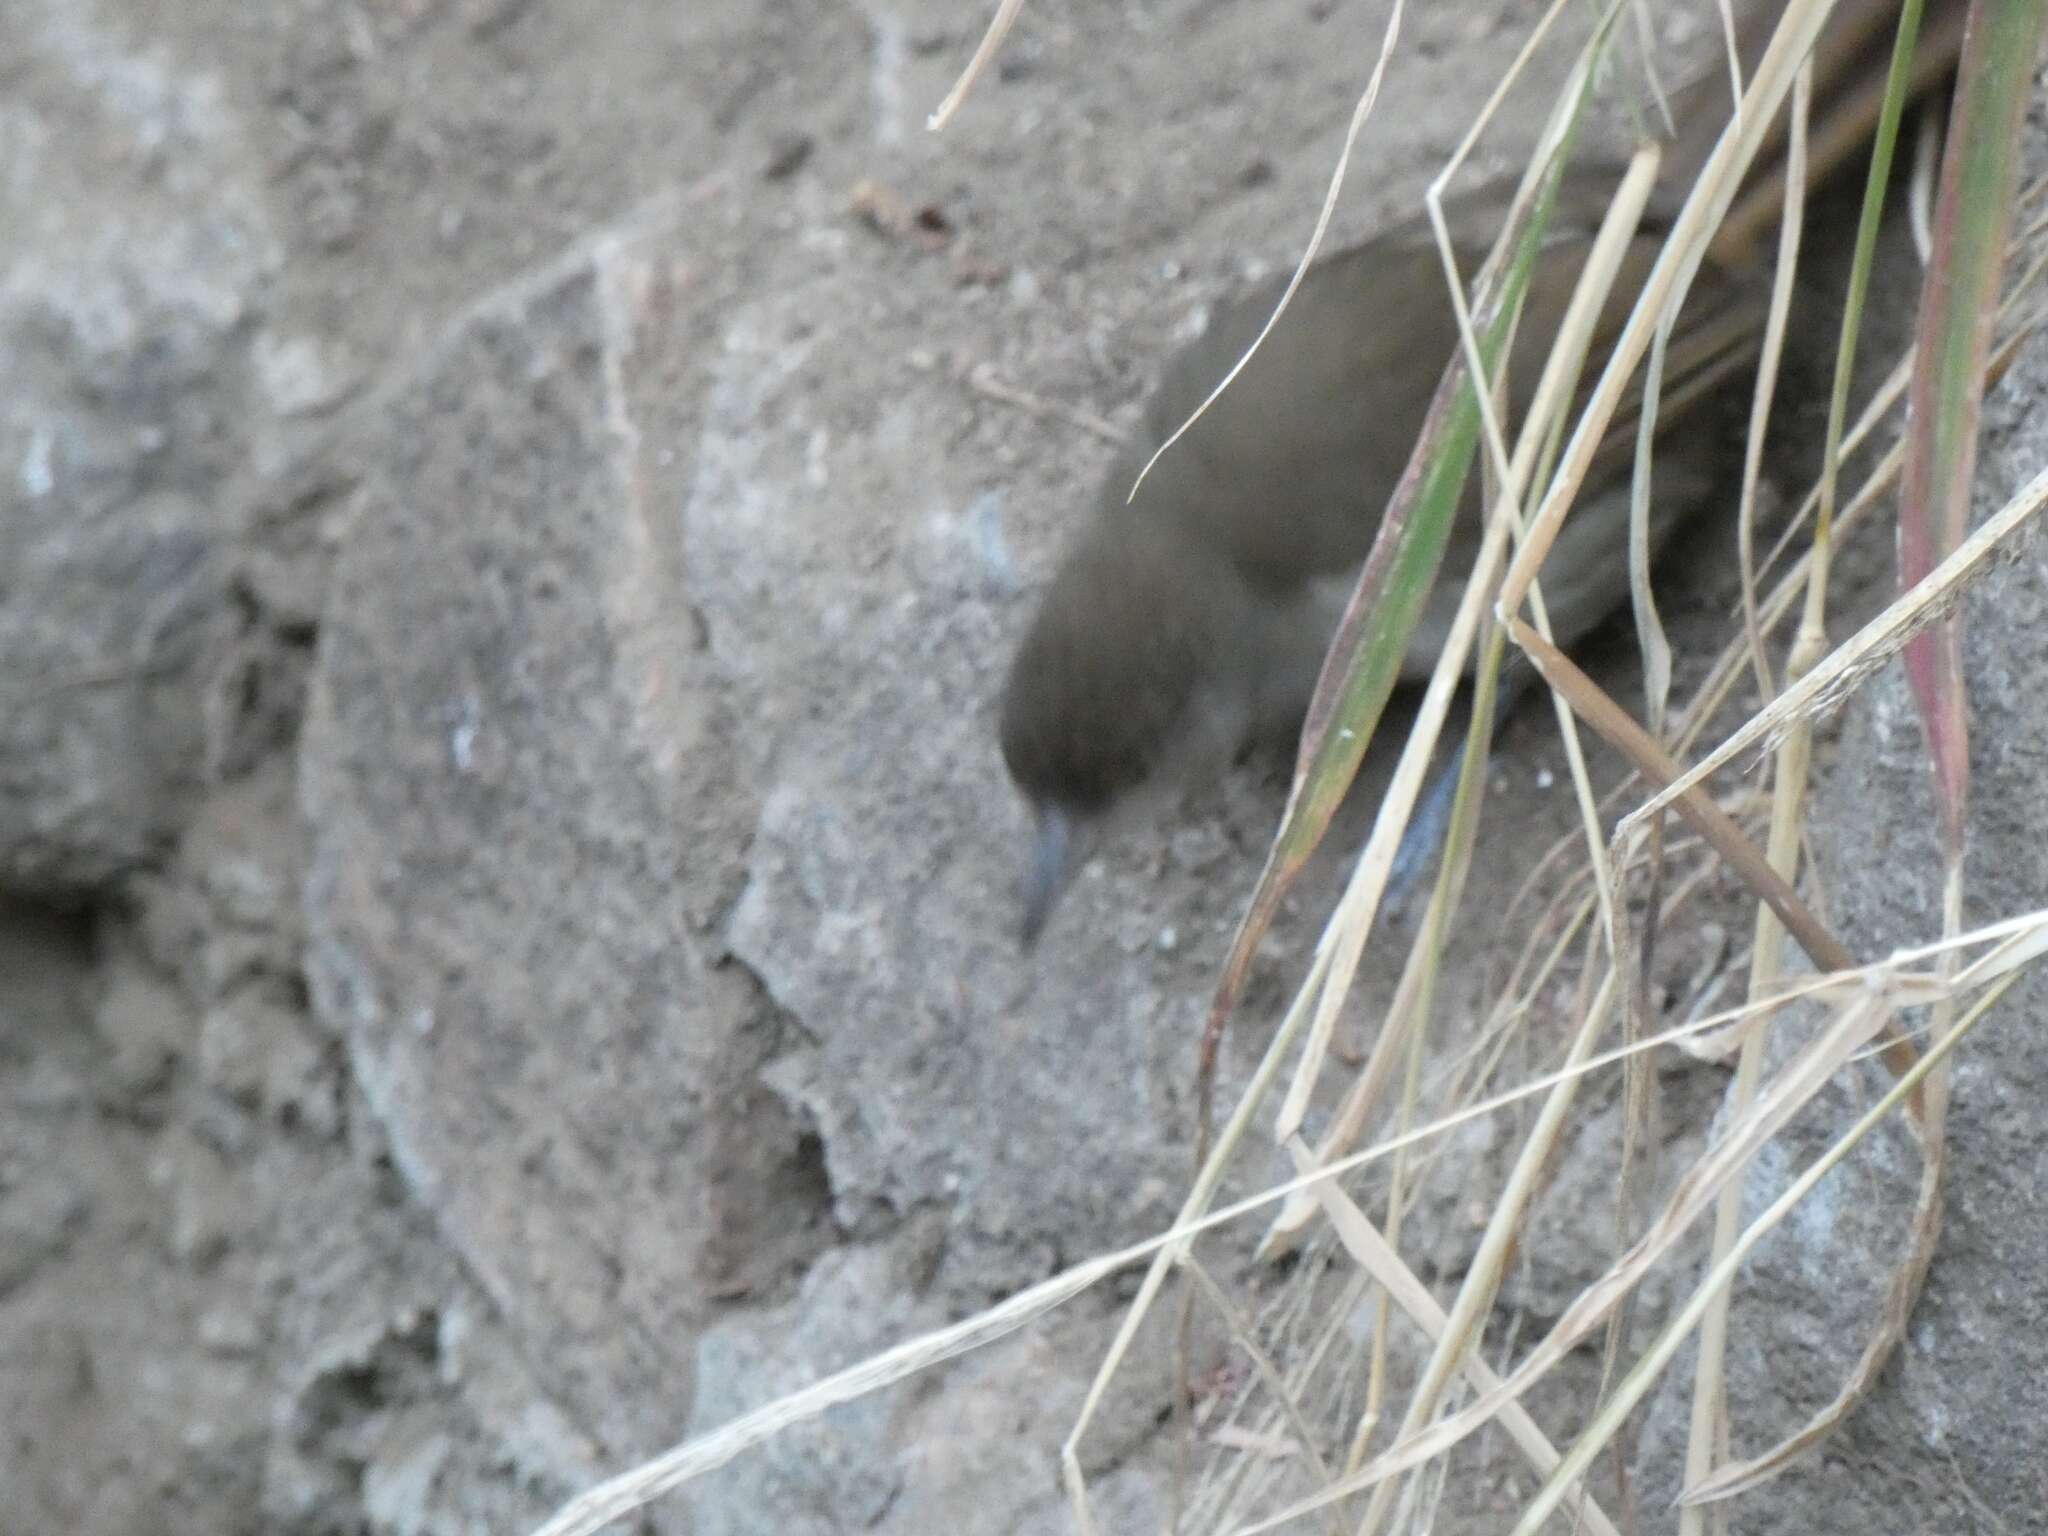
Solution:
(1190, 618)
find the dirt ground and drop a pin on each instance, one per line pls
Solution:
(516, 515)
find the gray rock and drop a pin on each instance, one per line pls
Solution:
(498, 850)
(841, 1471)
(37, 1224)
(136, 251)
(144, 1025)
(879, 908)
(975, 1440)
(393, 1427)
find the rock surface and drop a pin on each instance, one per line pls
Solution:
(513, 521)
(135, 271)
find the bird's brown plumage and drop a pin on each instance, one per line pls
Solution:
(1196, 612)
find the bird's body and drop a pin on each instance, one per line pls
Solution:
(1193, 615)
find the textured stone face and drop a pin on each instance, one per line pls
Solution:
(137, 256)
(1976, 1336)
(495, 861)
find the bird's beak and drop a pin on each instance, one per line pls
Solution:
(1046, 876)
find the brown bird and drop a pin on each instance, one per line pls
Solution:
(1193, 618)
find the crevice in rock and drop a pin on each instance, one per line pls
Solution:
(255, 696)
(767, 1188)
(46, 1061)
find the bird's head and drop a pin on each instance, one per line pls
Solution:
(1109, 682)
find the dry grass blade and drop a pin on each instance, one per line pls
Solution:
(1651, 641)
(1408, 1013)
(1241, 1335)
(1360, 111)
(991, 42)
(984, 55)
(1790, 228)
(1824, 688)
(1621, 732)
(1379, 1259)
